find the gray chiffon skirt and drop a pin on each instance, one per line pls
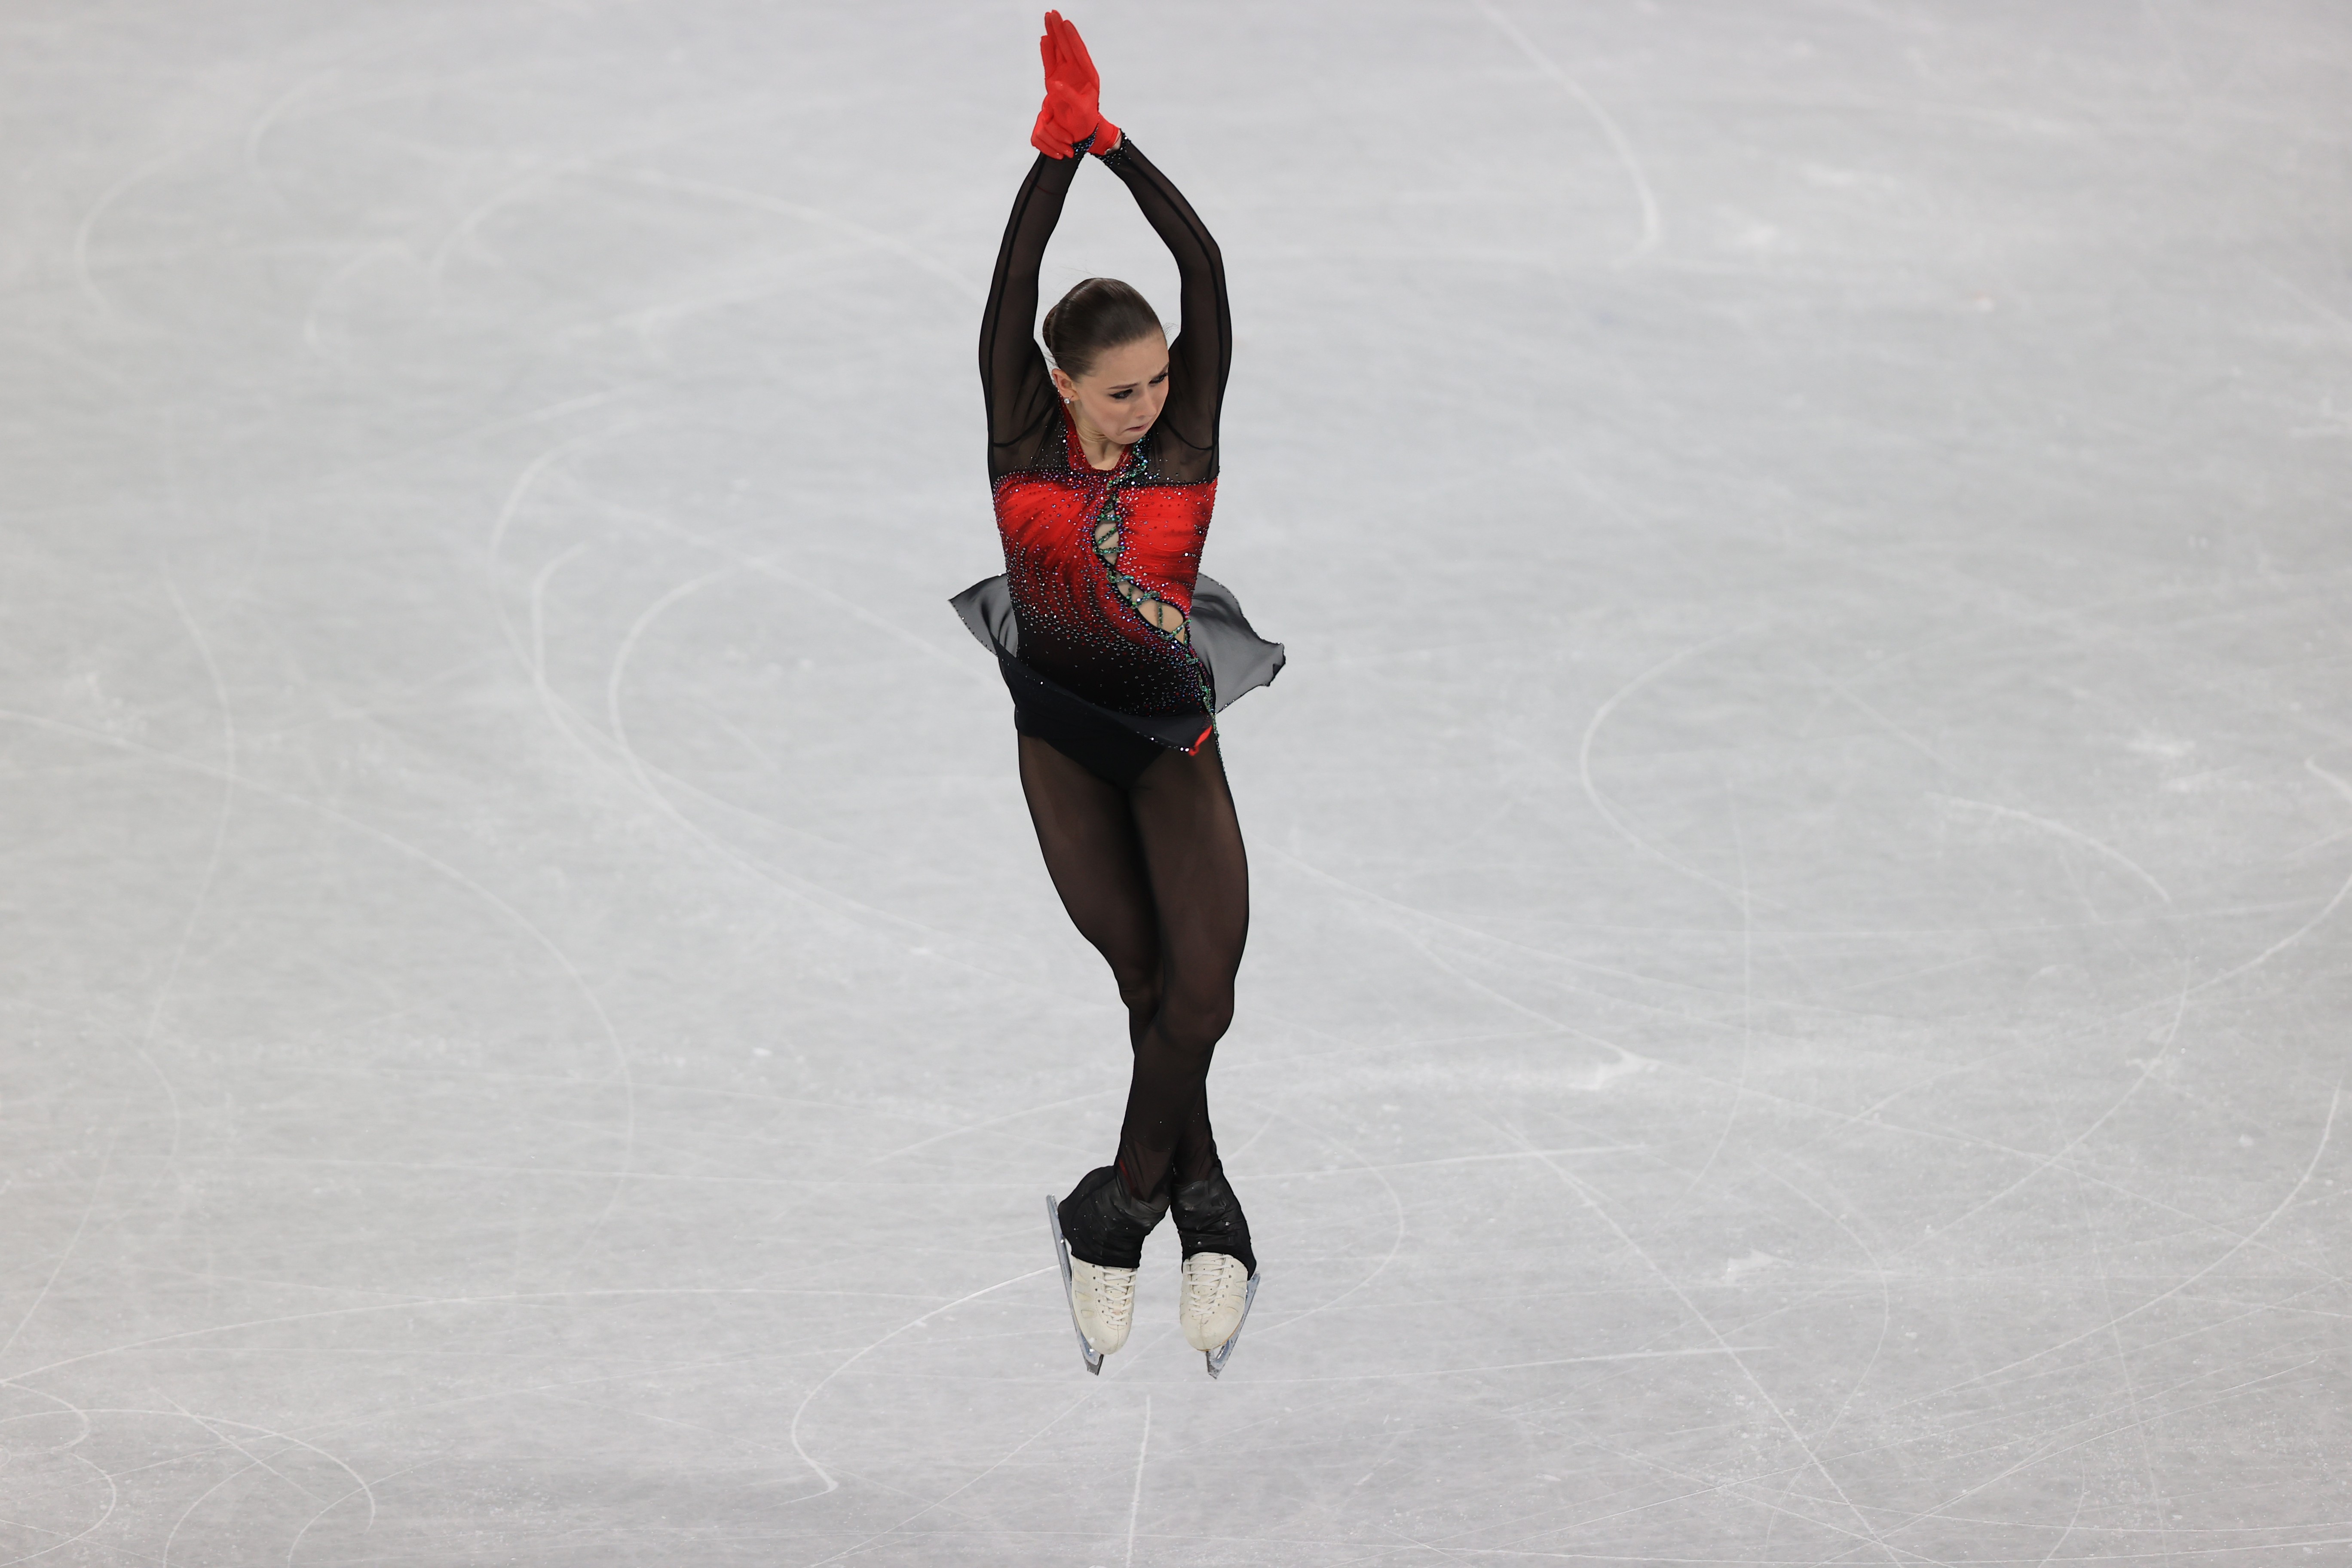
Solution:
(1114, 744)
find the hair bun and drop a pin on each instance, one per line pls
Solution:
(1097, 315)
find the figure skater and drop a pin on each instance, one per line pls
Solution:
(1119, 655)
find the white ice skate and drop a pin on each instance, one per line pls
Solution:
(1102, 1301)
(1212, 1302)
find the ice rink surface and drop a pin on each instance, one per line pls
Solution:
(1798, 1004)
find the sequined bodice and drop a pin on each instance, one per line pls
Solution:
(1101, 565)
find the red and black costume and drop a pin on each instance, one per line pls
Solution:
(1120, 654)
(1088, 550)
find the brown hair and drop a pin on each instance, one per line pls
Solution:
(1100, 313)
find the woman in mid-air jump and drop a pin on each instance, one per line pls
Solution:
(1118, 655)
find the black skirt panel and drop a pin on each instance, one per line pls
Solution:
(1115, 745)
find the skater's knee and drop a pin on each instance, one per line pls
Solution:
(1140, 990)
(1195, 1020)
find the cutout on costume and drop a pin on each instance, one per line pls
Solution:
(1157, 614)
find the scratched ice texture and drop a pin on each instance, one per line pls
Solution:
(1797, 1013)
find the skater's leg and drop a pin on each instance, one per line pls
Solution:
(1199, 878)
(1087, 833)
(1086, 828)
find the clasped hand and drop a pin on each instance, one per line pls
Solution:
(1071, 112)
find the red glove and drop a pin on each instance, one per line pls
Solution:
(1070, 113)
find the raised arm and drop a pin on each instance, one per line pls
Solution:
(1019, 394)
(1203, 349)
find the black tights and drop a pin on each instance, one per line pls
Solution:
(1155, 877)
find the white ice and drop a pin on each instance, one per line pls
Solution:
(1798, 1005)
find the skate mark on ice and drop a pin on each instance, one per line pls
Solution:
(1628, 1062)
(418, 1304)
(544, 172)
(648, 779)
(1135, 1501)
(642, 775)
(2056, 1158)
(583, 1173)
(313, 317)
(1747, 999)
(97, 1184)
(1444, 922)
(1839, 691)
(2082, 1494)
(2200, 1332)
(2100, 1436)
(87, 230)
(1838, 1120)
(2310, 301)
(2343, 789)
(211, 861)
(2311, 1167)
(575, 729)
(1600, 716)
(1885, 1309)
(801, 1410)
(620, 655)
(633, 1374)
(200, 1499)
(667, 1090)
(2039, 1160)
(1447, 1160)
(524, 483)
(2074, 835)
(865, 616)
(255, 1460)
(1863, 1532)
(1707, 1486)
(419, 34)
(562, 960)
(266, 120)
(68, 1406)
(365, 1488)
(1605, 1359)
(766, 567)
(1250, 1143)
(1651, 226)
(1396, 1243)
(945, 1497)
(531, 655)
(976, 293)
(2164, 1043)
(113, 1498)
(360, 1483)
(982, 1126)
(620, 1054)
(2122, 1361)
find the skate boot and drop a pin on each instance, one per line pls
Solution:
(1219, 1271)
(1098, 1233)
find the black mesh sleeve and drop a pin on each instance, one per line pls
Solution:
(1018, 393)
(1202, 353)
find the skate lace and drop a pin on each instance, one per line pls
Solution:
(1115, 1292)
(1215, 1288)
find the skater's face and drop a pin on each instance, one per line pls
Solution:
(1120, 395)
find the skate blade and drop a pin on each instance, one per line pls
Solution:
(1223, 1352)
(1062, 1256)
